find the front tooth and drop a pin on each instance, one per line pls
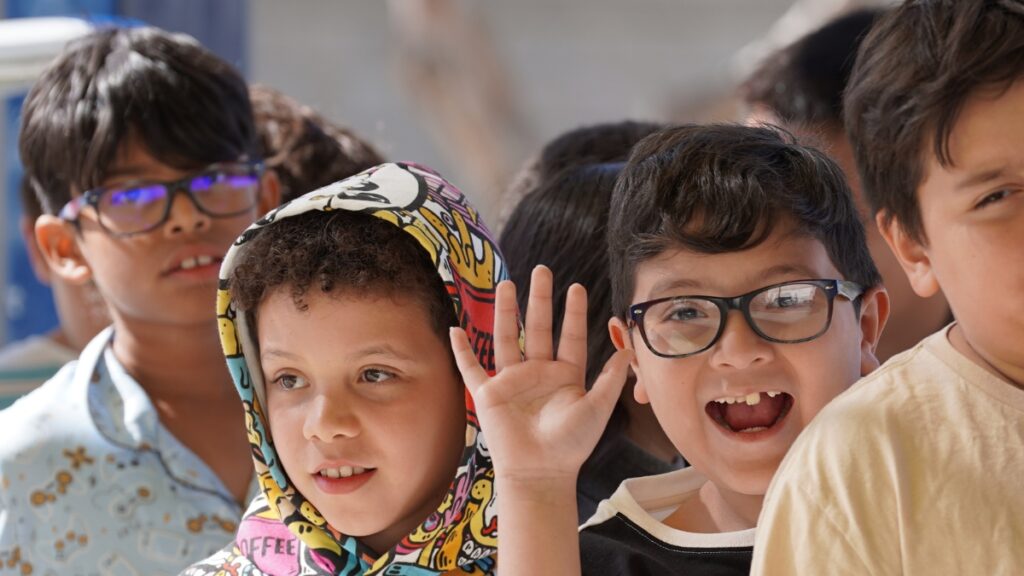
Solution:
(187, 264)
(730, 400)
(753, 399)
(331, 472)
(205, 260)
(345, 471)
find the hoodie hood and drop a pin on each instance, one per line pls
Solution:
(282, 532)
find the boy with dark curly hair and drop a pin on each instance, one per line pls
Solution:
(334, 314)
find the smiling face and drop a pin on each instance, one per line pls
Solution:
(734, 409)
(366, 409)
(167, 275)
(973, 216)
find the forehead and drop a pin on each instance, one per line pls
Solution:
(988, 137)
(785, 255)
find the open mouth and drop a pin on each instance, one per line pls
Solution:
(752, 413)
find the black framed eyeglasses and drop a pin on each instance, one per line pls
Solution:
(221, 190)
(787, 313)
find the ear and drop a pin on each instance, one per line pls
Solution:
(622, 339)
(874, 313)
(58, 246)
(912, 255)
(270, 192)
(35, 257)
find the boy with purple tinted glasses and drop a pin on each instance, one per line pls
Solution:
(133, 459)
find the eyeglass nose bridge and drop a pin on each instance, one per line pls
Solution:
(184, 187)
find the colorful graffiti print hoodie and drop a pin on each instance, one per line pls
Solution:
(282, 533)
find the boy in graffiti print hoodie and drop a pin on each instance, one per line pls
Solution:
(333, 312)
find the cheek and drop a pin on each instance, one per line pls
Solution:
(825, 372)
(285, 424)
(671, 389)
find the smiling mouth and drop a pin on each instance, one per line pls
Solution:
(753, 415)
(344, 471)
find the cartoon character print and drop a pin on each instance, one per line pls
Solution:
(461, 535)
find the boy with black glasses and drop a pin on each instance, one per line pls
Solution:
(743, 289)
(140, 147)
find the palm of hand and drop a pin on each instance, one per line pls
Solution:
(536, 414)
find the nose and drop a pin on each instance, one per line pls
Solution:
(327, 419)
(740, 347)
(185, 217)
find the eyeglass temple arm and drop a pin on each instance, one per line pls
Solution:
(851, 290)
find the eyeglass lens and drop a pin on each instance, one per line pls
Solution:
(223, 192)
(786, 313)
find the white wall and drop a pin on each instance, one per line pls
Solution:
(572, 61)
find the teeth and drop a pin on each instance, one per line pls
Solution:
(189, 263)
(752, 399)
(342, 472)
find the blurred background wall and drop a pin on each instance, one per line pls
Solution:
(468, 87)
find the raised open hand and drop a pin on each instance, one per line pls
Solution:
(539, 420)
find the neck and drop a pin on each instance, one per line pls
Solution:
(730, 511)
(712, 510)
(174, 362)
(1005, 370)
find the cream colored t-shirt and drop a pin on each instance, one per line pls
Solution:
(916, 469)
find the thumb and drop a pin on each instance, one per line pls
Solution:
(473, 374)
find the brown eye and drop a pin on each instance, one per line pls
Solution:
(290, 382)
(992, 198)
(376, 375)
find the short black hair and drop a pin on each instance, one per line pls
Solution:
(188, 108)
(562, 225)
(607, 142)
(339, 252)
(803, 83)
(304, 149)
(915, 71)
(723, 188)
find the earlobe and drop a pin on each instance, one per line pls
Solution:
(912, 255)
(874, 313)
(622, 340)
(59, 248)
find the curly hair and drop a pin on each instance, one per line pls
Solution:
(339, 253)
(304, 149)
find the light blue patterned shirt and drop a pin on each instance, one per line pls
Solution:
(92, 483)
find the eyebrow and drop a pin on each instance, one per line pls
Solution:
(981, 178)
(670, 285)
(374, 350)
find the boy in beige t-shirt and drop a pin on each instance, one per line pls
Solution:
(918, 468)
